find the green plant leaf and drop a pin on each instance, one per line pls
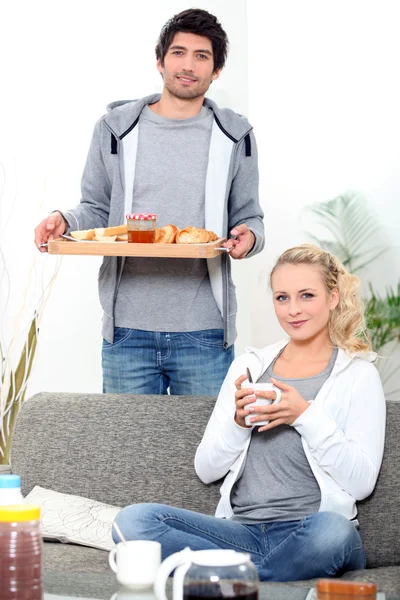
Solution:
(383, 316)
(352, 226)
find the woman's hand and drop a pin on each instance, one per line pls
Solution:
(241, 401)
(285, 412)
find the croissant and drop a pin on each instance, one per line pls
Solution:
(195, 235)
(213, 236)
(166, 234)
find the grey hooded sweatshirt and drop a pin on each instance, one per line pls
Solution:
(231, 195)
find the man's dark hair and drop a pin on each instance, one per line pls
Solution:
(199, 22)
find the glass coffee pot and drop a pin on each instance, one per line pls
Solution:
(208, 575)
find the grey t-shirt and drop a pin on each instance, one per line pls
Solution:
(277, 483)
(169, 294)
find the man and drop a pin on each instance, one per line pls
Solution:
(169, 324)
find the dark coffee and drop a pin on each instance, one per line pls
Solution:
(199, 590)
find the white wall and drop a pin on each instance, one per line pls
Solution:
(62, 63)
(324, 100)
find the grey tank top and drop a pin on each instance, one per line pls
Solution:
(277, 483)
(169, 294)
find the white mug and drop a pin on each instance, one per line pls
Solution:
(136, 562)
(266, 387)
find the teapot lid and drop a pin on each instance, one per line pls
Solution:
(219, 558)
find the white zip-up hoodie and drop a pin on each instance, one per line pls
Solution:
(342, 431)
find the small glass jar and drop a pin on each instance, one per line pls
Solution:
(141, 228)
(329, 589)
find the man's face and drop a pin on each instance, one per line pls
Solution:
(188, 68)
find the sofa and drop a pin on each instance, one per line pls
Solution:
(122, 449)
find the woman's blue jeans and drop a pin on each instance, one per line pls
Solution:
(192, 363)
(323, 544)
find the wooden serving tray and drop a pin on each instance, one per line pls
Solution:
(89, 248)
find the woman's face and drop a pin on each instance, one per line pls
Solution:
(301, 301)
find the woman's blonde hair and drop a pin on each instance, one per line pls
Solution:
(347, 328)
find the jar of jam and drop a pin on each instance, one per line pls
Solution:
(330, 589)
(20, 553)
(141, 228)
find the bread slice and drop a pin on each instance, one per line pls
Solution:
(122, 238)
(109, 231)
(83, 234)
(105, 238)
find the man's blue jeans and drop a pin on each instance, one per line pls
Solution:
(191, 363)
(323, 544)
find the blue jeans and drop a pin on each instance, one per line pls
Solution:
(323, 544)
(192, 363)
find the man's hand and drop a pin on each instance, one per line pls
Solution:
(49, 229)
(243, 243)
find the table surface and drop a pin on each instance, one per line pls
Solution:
(103, 586)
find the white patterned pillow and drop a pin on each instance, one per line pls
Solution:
(74, 519)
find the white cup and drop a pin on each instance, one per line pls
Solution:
(136, 562)
(266, 387)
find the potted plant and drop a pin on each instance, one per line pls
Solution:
(350, 230)
(24, 291)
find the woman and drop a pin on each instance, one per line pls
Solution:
(291, 486)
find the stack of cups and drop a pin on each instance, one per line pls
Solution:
(20, 553)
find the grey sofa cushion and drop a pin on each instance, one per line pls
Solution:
(121, 449)
(387, 579)
(73, 558)
(69, 558)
